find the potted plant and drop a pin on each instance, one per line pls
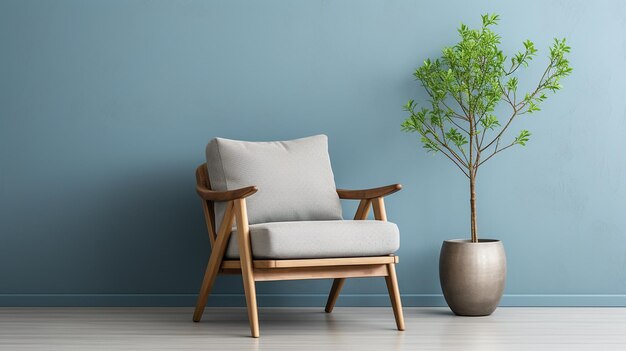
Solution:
(459, 121)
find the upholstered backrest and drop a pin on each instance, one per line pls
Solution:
(294, 178)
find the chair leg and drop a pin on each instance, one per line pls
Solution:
(334, 293)
(394, 295)
(253, 314)
(215, 261)
(247, 272)
(207, 284)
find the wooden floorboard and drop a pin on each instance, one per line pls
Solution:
(303, 329)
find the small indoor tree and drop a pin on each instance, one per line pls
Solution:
(465, 86)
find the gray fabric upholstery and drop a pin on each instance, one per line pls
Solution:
(294, 178)
(319, 239)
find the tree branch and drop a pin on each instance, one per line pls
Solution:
(496, 151)
(456, 164)
(461, 128)
(541, 84)
(458, 115)
(443, 143)
(506, 94)
(501, 131)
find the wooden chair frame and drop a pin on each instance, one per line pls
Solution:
(292, 269)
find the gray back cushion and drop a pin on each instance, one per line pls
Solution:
(294, 178)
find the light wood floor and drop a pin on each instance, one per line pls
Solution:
(301, 329)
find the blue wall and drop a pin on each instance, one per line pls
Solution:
(106, 106)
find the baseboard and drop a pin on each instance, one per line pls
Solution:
(292, 300)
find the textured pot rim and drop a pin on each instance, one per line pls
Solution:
(469, 241)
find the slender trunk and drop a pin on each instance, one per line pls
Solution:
(472, 177)
(473, 206)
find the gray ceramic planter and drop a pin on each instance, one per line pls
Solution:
(472, 275)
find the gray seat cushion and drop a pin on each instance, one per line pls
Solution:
(319, 239)
(294, 178)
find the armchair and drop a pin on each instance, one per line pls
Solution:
(268, 242)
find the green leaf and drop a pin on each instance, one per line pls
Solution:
(489, 122)
(409, 105)
(522, 138)
(511, 84)
(429, 144)
(490, 19)
(457, 138)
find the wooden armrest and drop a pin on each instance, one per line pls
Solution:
(228, 195)
(368, 193)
